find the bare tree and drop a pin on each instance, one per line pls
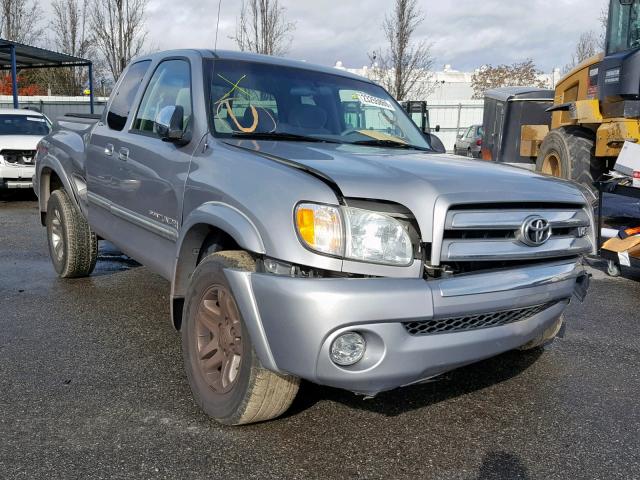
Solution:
(587, 47)
(405, 66)
(20, 21)
(71, 36)
(117, 27)
(604, 23)
(263, 27)
(523, 74)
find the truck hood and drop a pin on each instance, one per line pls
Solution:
(421, 181)
(19, 142)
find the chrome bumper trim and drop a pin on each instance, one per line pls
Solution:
(491, 282)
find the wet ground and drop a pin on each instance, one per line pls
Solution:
(92, 386)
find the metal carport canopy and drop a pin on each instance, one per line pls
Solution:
(14, 56)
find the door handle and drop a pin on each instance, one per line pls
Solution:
(108, 149)
(123, 154)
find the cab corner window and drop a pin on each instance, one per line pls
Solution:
(125, 95)
(170, 86)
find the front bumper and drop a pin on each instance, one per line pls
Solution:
(293, 321)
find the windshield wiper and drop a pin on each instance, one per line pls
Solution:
(284, 136)
(389, 143)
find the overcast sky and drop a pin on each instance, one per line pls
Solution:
(464, 33)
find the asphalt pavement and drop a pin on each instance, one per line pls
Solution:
(92, 386)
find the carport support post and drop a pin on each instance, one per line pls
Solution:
(14, 76)
(90, 87)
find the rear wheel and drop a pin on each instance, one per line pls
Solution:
(568, 153)
(226, 377)
(72, 245)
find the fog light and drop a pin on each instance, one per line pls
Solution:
(348, 349)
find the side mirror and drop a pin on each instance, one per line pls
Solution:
(169, 124)
(436, 144)
(437, 128)
(459, 136)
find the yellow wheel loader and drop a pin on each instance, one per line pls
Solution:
(596, 106)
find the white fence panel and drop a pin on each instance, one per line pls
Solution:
(454, 118)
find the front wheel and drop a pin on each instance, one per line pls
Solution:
(226, 377)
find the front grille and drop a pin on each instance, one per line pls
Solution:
(474, 322)
(474, 235)
(18, 157)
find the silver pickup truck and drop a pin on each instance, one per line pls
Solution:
(308, 229)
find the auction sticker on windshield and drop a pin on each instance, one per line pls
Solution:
(372, 101)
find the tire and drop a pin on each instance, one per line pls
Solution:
(568, 153)
(73, 247)
(470, 154)
(545, 337)
(226, 377)
(613, 269)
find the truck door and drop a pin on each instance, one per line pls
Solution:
(104, 171)
(155, 171)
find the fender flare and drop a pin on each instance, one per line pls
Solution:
(53, 165)
(194, 231)
(218, 215)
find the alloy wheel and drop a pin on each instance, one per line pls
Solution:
(57, 236)
(218, 339)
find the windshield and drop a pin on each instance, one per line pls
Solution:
(23, 125)
(258, 99)
(624, 27)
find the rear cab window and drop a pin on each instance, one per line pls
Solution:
(125, 95)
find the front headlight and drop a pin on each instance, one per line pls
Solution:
(374, 237)
(367, 236)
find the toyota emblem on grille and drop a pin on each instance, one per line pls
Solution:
(535, 231)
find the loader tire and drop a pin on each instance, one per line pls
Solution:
(568, 152)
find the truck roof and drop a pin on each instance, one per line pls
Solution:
(507, 93)
(255, 57)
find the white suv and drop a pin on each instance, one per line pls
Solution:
(20, 132)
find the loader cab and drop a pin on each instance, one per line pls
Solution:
(515, 122)
(419, 113)
(618, 75)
